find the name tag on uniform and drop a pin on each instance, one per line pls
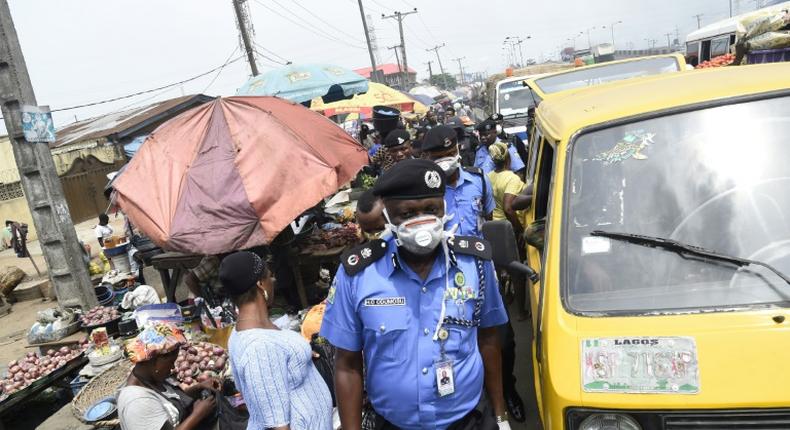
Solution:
(386, 301)
(445, 379)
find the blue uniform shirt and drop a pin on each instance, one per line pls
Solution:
(465, 202)
(390, 314)
(483, 159)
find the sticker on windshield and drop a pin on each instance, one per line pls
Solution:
(596, 245)
(507, 97)
(630, 146)
(640, 365)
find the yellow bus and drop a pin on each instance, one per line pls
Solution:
(664, 291)
(611, 71)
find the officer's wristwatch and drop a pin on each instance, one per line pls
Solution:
(501, 418)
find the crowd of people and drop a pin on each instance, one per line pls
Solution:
(415, 312)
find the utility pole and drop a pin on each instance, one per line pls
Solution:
(611, 27)
(435, 49)
(400, 70)
(399, 16)
(373, 72)
(461, 68)
(699, 21)
(40, 181)
(430, 70)
(242, 19)
(669, 43)
(730, 8)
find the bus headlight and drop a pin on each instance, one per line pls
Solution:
(609, 422)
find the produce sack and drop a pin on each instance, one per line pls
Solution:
(772, 40)
(761, 22)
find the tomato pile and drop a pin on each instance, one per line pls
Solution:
(25, 371)
(720, 61)
(198, 362)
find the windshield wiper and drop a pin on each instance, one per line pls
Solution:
(684, 249)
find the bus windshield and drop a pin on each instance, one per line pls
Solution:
(716, 178)
(514, 98)
(588, 76)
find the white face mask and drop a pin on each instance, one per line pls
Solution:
(449, 164)
(419, 235)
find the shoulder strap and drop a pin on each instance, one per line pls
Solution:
(479, 172)
(359, 257)
(471, 245)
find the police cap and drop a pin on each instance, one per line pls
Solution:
(439, 138)
(486, 125)
(396, 137)
(411, 179)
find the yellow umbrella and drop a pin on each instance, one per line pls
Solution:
(378, 94)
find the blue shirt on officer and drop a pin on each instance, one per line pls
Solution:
(466, 201)
(483, 159)
(388, 312)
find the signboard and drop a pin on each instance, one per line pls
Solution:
(640, 365)
(37, 125)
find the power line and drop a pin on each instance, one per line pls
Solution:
(381, 5)
(115, 99)
(219, 72)
(271, 52)
(271, 62)
(324, 21)
(299, 24)
(283, 62)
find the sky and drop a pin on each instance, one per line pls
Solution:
(84, 51)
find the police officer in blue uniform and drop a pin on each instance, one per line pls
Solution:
(421, 310)
(488, 136)
(469, 197)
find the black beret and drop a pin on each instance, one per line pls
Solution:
(486, 125)
(497, 117)
(396, 137)
(438, 138)
(239, 272)
(411, 179)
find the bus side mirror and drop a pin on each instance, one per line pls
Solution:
(504, 248)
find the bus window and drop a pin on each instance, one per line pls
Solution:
(544, 180)
(719, 46)
(704, 54)
(692, 53)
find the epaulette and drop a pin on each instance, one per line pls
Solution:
(471, 245)
(359, 257)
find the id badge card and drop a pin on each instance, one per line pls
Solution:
(445, 379)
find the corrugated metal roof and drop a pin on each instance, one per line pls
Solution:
(387, 69)
(117, 123)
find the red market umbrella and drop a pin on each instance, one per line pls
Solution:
(233, 173)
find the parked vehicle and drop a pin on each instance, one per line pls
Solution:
(597, 74)
(664, 296)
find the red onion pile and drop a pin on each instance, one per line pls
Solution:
(99, 315)
(199, 362)
(23, 372)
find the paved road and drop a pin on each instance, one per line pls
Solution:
(524, 375)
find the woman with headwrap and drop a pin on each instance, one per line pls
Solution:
(150, 401)
(272, 368)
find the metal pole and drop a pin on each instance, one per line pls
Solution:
(730, 8)
(461, 69)
(435, 49)
(399, 16)
(39, 178)
(245, 38)
(400, 70)
(699, 21)
(373, 71)
(430, 70)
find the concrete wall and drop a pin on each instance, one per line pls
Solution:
(14, 209)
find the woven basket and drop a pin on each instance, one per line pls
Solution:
(103, 385)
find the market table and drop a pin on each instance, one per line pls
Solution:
(8, 405)
(299, 259)
(178, 263)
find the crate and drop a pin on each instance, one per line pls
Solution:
(768, 56)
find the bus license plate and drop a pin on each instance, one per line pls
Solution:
(640, 365)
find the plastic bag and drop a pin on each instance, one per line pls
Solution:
(772, 40)
(141, 296)
(773, 22)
